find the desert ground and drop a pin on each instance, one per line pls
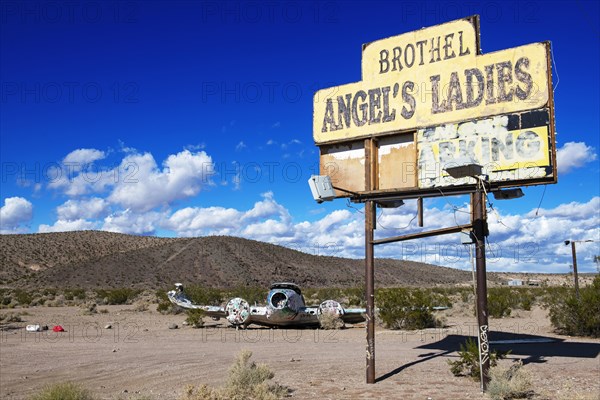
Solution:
(140, 357)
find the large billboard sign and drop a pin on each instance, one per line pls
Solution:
(430, 97)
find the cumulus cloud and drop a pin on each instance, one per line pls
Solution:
(77, 174)
(145, 186)
(138, 182)
(132, 222)
(68, 225)
(15, 212)
(574, 155)
(82, 209)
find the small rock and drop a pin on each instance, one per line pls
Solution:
(114, 350)
(108, 326)
(173, 326)
(185, 323)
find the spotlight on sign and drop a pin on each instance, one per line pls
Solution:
(508, 194)
(321, 188)
(462, 168)
(389, 203)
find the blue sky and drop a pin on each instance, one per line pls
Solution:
(195, 118)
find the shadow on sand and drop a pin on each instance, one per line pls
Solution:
(531, 352)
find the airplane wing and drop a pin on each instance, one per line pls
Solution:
(179, 298)
(354, 315)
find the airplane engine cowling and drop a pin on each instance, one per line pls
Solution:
(330, 307)
(238, 311)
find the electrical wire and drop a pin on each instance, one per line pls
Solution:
(349, 205)
(540, 204)
(555, 68)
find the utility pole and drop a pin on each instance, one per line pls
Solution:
(370, 184)
(575, 276)
(574, 254)
(478, 219)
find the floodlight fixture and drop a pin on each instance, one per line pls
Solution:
(463, 167)
(568, 242)
(321, 188)
(390, 203)
(508, 194)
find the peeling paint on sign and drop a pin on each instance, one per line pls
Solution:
(505, 149)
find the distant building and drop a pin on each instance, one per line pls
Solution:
(515, 282)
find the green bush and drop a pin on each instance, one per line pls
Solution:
(72, 294)
(501, 301)
(164, 304)
(204, 296)
(468, 360)
(355, 297)
(577, 316)
(118, 296)
(63, 391)
(401, 308)
(251, 294)
(194, 318)
(23, 297)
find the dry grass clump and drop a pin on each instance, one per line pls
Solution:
(63, 391)
(194, 318)
(11, 317)
(246, 380)
(89, 309)
(330, 320)
(510, 382)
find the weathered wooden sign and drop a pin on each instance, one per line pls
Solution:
(429, 97)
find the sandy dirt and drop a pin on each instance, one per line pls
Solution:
(141, 358)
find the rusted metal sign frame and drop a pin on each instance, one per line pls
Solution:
(478, 223)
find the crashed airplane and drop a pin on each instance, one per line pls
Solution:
(285, 307)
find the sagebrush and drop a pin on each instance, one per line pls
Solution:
(510, 382)
(246, 380)
(577, 316)
(468, 360)
(63, 391)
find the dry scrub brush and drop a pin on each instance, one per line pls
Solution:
(330, 320)
(63, 391)
(246, 381)
(510, 382)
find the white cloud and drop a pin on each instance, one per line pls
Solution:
(240, 146)
(15, 212)
(82, 157)
(574, 155)
(267, 220)
(68, 225)
(134, 223)
(137, 183)
(516, 242)
(191, 221)
(78, 209)
(144, 186)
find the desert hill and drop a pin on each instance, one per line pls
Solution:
(93, 259)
